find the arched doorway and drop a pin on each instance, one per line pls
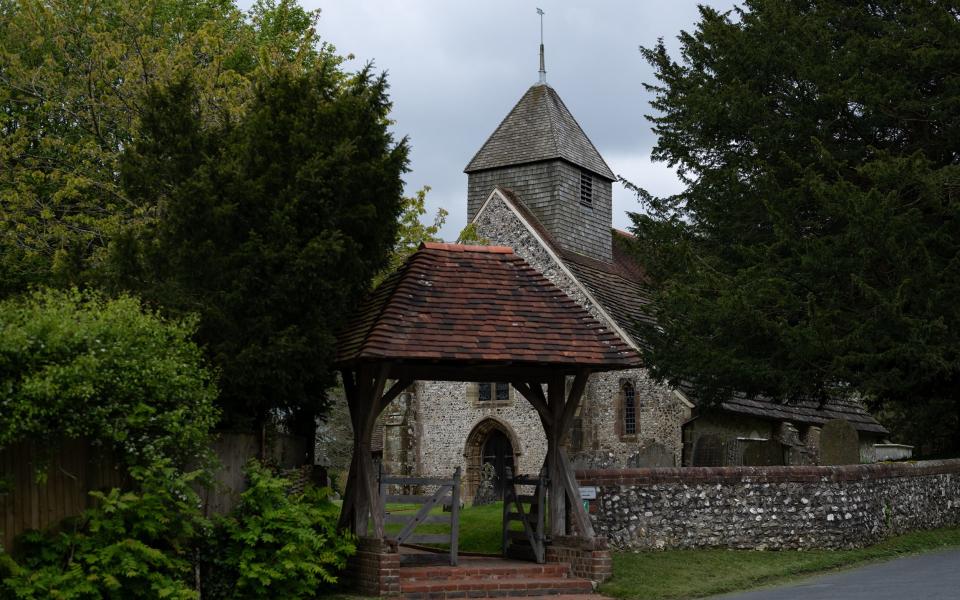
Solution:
(490, 442)
(498, 453)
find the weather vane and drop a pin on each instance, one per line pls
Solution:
(543, 68)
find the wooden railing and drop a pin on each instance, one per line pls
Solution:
(529, 543)
(447, 492)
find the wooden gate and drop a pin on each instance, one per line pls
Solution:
(529, 543)
(447, 492)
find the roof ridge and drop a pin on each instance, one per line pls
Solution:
(454, 247)
(587, 137)
(550, 116)
(503, 121)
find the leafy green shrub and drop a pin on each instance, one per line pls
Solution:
(77, 365)
(131, 545)
(275, 544)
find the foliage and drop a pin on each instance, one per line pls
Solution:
(411, 230)
(469, 235)
(662, 575)
(276, 544)
(132, 544)
(72, 80)
(814, 249)
(75, 365)
(273, 226)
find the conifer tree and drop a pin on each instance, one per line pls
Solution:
(270, 227)
(815, 249)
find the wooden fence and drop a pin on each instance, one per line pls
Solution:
(76, 468)
(72, 471)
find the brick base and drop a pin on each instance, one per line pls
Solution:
(589, 558)
(375, 569)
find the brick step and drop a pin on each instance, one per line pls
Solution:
(484, 572)
(490, 588)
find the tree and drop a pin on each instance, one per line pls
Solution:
(72, 80)
(411, 231)
(814, 250)
(75, 365)
(272, 226)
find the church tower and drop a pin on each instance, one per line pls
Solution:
(540, 153)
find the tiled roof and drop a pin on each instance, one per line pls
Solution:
(540, 127)
(805, 411)
(620, 287)
(477, 304)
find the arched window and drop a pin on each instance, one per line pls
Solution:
(629, 395)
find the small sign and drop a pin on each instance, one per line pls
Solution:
(588, 493)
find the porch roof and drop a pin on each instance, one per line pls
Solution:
(471, 312)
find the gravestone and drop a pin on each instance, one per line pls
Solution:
(763, 454)
(839, 443)
(708, 451)
(653, 454)
(487, 490)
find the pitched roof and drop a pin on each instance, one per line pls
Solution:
(805, 411)
(540, 127)
(620, 287)
(470, 304)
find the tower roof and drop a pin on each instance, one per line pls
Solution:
(540, 127)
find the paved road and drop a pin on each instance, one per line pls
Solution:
(927, 577)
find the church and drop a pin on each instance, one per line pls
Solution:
(539, 186)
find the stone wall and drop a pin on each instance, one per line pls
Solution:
(772, 507)
(660, 417)
(446, 419)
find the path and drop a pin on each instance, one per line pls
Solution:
(928, 577)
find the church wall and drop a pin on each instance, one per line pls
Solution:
(534, 182)
(446, 417)
(584, 229)
(551, 190)
(660, 418)
(661, 412)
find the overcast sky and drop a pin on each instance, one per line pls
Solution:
(457, 68)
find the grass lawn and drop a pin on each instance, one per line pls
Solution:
(678, 574)
(698, 573)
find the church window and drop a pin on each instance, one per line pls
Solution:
(586, 188)
(629, 408)
(493, 391)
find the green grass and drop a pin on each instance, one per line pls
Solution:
(479, 526)
(697, 573)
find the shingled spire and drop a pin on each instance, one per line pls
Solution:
(540, 127)
(540, 153)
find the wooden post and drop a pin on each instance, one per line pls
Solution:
(362, 502)
(455, 518)
(557, 495)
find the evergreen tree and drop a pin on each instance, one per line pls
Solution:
(271, 226)
(815, 249)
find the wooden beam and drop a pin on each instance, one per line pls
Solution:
(573, 400)
(395, 390)
(580, 517)
(534, 398)
(556, 498)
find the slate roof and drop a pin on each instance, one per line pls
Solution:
(470, 304)
(805, 411)
(540, 127)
